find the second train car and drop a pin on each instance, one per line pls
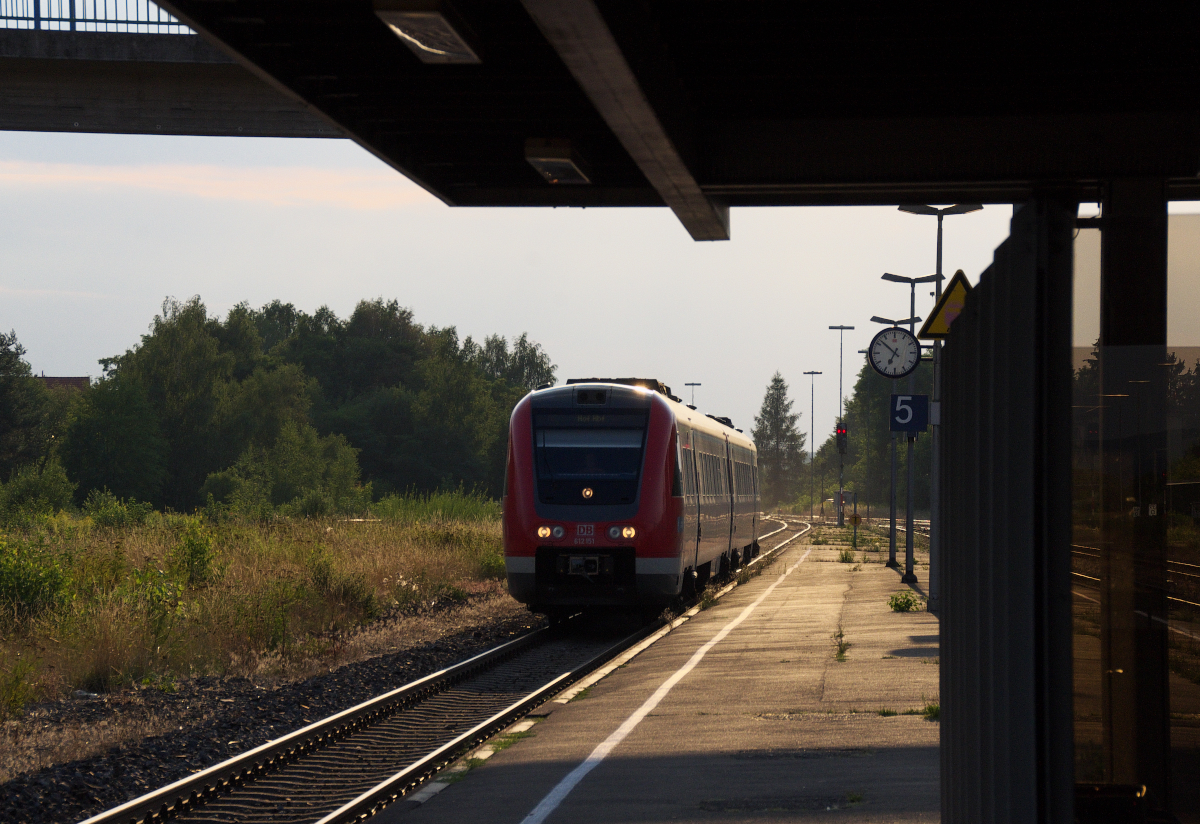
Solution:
(619, 495)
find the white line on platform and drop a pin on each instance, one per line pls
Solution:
(560, 792)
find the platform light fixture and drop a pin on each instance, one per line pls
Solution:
(890, 322)
(429, 28)
(556, 161)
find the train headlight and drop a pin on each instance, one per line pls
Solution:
(543, 532)
(628, 532)
(587, 492)
(614, 532)
(558, 532)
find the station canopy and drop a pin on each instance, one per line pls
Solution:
(701, 105)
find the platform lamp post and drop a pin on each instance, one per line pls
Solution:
(909, 577)
(935, 480)
(812, 463)
(892, 498)
(693, 385)
(866, 428)
(841, 506)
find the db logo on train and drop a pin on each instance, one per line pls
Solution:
(585, 533)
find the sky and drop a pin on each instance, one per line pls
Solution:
(97, 230)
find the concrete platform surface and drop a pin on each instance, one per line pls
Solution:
(767, 726)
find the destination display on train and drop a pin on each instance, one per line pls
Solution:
(632, 419)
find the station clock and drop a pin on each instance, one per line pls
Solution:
(895, 353)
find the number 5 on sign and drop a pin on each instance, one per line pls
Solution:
(909, 413)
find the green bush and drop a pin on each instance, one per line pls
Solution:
(106, 509)
(491, 564)
(906, 601)
(193, 556)
(300, 474)
(16, 687)
(34, 493)
(31, 579)
(162, 598)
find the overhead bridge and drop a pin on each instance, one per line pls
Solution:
(129, 67)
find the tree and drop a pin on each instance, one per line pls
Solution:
(23, 408)
(113, 441)
(780, 444)
(526, 366)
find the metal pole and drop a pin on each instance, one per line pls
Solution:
(935, 468)
(841, 508)
(892, 529)
(812, 466)
(854, 520)
(865, 425)
(909, 577)
(841, 501)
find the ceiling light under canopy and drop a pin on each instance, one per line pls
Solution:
(428, 28)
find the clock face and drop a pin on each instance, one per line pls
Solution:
(895, 352)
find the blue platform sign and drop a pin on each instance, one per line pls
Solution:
(909, 413)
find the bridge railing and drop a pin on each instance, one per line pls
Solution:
(137, 16)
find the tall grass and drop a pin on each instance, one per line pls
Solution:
(98, 608)
(437, 506)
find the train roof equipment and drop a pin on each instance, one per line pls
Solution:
(644, 383)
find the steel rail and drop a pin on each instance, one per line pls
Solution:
(410, 776)
(187, 792)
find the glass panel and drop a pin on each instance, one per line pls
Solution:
(1183, 512)
(1136, 539)
(614, 454)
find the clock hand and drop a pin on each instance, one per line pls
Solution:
(890, 349)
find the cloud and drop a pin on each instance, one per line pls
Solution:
(361, 189)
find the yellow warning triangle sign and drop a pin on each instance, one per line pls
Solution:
(949, 306)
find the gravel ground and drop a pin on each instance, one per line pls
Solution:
(160, 737)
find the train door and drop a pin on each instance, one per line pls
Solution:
(731, 497)
(754, 501)
(710, 542)
(690, 541)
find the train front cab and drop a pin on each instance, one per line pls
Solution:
(592, 505)
(618, 496)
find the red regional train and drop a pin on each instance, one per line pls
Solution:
(619, 495)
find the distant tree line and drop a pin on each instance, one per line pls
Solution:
(273, 407)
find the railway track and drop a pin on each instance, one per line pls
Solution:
(347, 766)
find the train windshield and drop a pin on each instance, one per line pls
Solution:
(600, 453)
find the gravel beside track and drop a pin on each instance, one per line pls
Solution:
(237, 716)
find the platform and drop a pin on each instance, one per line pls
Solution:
(767, 726)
